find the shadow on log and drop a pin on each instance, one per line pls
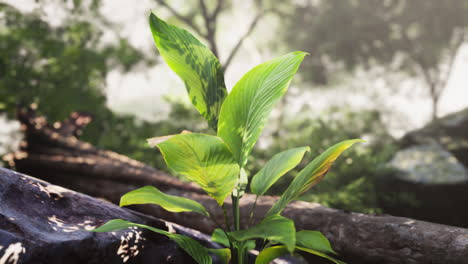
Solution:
(42, 223)
(55, 154)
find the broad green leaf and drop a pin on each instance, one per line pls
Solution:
(205, 160)
(311, 175)
(269, 254)
(314, 240)
(277, 229)
(279, 165)
(198, 252)
(245, 111)
(195, 64)
(115, 225)
(223, 253)
(320, 254)
(220, 237)
(151, 195)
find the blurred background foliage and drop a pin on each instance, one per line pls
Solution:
(63, 68)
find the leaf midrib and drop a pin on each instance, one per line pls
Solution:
(247, 121)
(204, 172)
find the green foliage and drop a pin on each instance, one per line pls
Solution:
(276, 228)
(314, 240)
(220, 237)
(151, 195)
(198, 252)
(195, 64)
(217, 163)
(223, 253)
(279, 165)
(205, 160)
(311, 175)
(246, 109)
(350, 185)
(318, 253)
(63, 69)
(269, 254)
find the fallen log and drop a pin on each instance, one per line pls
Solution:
(45, 223)
(56, 155)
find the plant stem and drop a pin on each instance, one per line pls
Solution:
(236, 212)
(239, 255)
(226, 220)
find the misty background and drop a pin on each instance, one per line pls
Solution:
(377, 70)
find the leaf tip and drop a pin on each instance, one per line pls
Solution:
(301, 53)
(122, 202)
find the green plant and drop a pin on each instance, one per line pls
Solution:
(216, 163)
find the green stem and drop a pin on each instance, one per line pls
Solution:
(226, 220)
(236, 212)
(239, 255)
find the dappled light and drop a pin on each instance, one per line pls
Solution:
(234, 132)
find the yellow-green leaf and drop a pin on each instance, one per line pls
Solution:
(223, 253)
(195, 64)
(171, 203)
(205, 160)
(245, 110)
(320, 254)
(269, 254)
(311, 174)
(314, 240)
(220, 237)
(279, 165)
(276, 228)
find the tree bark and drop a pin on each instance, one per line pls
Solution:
(55, 154)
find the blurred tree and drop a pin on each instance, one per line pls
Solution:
(420, 37)
(62, 69)
(202, 18)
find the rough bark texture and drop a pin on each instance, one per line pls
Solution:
(44, 223)
(62, 159)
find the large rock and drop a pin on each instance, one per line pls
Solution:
(44, 223)
(429, 164)
(450, 131)
(430, 176)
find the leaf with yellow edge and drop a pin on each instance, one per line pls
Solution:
(311, 175)
(205, 160)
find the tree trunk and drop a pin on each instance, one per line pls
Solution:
(55, 154)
